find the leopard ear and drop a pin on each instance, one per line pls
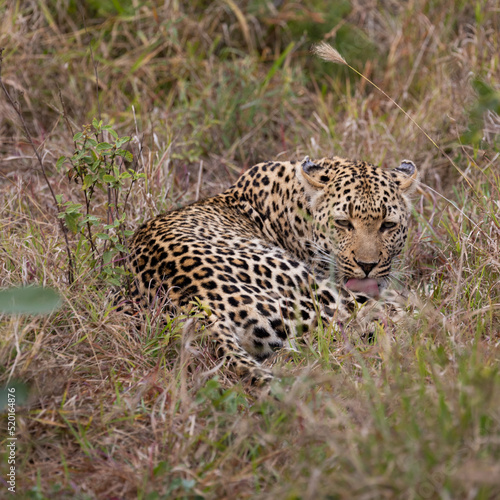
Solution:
(308, 168)
(406, 176)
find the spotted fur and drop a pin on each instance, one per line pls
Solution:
(272, 254)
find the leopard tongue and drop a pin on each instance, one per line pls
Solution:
(368, 286)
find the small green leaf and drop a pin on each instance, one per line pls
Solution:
(107, 256)
(102, 236)
(91, 218)
(113, 133)
(72, 208)
(59, 198)
(71, 220)
(125, 154)
(122, 140)
(60, 161)
(89, 160)
(108, 178)
(29, 300)
(117, 272)
(76, 156)
(77, 136)
(103, 146)
(114, 224)
(97, 164)
(87, 181)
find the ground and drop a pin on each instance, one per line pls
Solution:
(204, 90)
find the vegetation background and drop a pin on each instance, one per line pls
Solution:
(200, 91)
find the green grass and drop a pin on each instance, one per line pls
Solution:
(120, 409)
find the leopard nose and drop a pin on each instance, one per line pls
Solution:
(367, 266)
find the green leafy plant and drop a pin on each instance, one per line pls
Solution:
(101, 166)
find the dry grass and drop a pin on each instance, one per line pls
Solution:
(117, 410)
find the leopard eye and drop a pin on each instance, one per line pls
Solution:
(385, 226)
(344, 223)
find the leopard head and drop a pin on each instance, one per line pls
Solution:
(360, 216)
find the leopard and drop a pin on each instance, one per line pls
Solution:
(290, 245)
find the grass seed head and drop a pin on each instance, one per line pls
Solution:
(328, 53)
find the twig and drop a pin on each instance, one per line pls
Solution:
(17, 108)
(65, 115)
(139, 140)
(198, 185)
(94, 63)
(96, 78)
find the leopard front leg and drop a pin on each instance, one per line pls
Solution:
(252, 332)
(360, 313)
(229, 347)
(388, 309)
